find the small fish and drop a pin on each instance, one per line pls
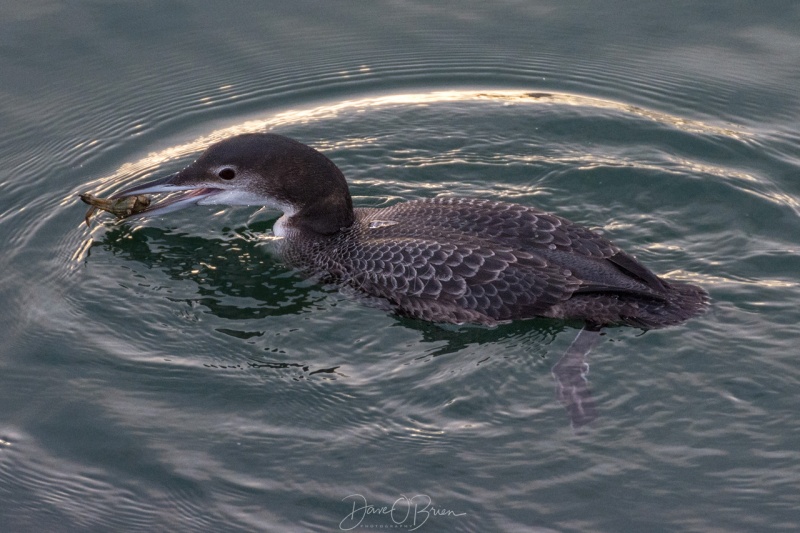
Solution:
(119, 207)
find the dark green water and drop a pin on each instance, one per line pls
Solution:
(170, 375)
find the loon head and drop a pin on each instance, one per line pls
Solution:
(259, 169)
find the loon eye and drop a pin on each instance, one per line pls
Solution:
(227, 173)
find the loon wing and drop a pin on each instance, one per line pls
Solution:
(456, 280)
(597, 261)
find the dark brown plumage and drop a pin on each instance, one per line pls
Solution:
(468, 260)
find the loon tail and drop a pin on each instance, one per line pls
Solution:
(682, 301)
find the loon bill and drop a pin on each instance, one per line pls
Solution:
(453, 260)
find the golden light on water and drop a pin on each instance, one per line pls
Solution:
(156, 160)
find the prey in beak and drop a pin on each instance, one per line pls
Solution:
(120, 207)
(134, 202)
(187, 195)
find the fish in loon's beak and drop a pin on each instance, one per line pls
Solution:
(189, 194)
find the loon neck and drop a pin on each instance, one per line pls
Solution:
(325, 216)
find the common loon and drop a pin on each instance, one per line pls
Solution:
(449, 260)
